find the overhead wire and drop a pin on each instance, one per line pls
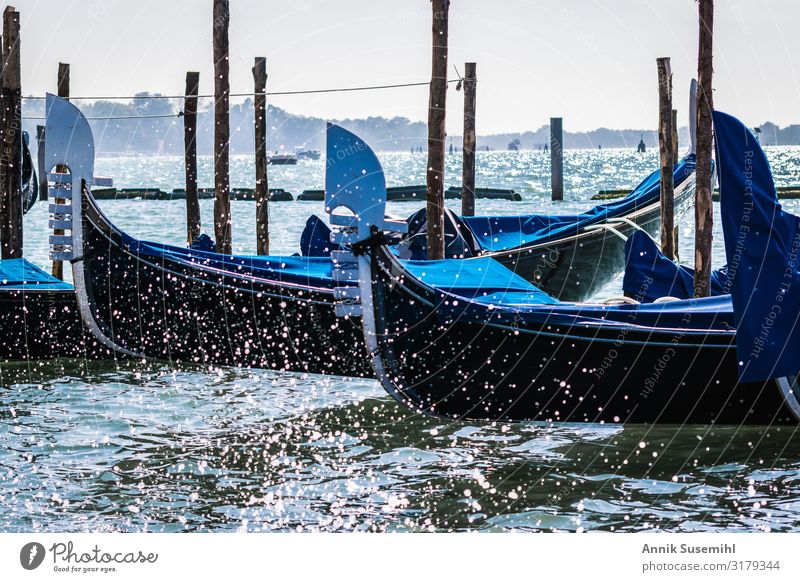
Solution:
(267, 93)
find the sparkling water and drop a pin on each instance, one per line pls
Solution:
(138, 446)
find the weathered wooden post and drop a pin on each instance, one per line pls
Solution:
(63, 80)
(262, 184)
(468, 173)
(222, 130)
(11, 158)
(436, 130)
(190, 155)
(666, 153)
(63, 91)
(676, 153)
(704, 217)
(41, 170)
(676, 156)
(557, 158)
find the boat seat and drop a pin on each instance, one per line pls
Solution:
(666, 299)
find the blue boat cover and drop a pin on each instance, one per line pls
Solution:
(204, 243)
(459, 242)
(498, 233)
(762, 243)
(310, 271)
(492, 293)
(649, 274)
(22, 274)
(482, 279)
(315, 241)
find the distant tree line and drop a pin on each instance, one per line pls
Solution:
(164, 135)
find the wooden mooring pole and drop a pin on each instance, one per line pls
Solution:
(41, 170)
(468, 170)
(222, 130)
(676, 153)
(436, 130)
(63, 91)
(666, 153)
(11, 157)
(262, 184)
(190, 156)
(557, 158)
(704, 217)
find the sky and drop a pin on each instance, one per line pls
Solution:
(592, 62)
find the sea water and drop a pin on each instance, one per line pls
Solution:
(140, 446)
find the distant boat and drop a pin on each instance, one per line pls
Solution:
(306, 154)
(282, 160)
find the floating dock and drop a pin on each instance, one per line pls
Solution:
(275, 195)
(414, 193)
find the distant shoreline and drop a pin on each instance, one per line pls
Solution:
(154, 127)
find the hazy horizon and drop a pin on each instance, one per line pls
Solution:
(592, 63)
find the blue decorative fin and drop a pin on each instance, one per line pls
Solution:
(354, 181)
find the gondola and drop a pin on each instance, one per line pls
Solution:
(495, 347)
(188, 305)
(572, 257)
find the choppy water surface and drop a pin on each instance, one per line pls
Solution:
(144, 448)
(139, 446)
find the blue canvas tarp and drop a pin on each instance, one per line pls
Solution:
(311, 271)
(762, 243)
(649, 274)
(482, 279)
(315, 240)
(22, 274)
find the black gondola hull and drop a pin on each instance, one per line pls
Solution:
(44, 324)
(546, 372)
(165, 309)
